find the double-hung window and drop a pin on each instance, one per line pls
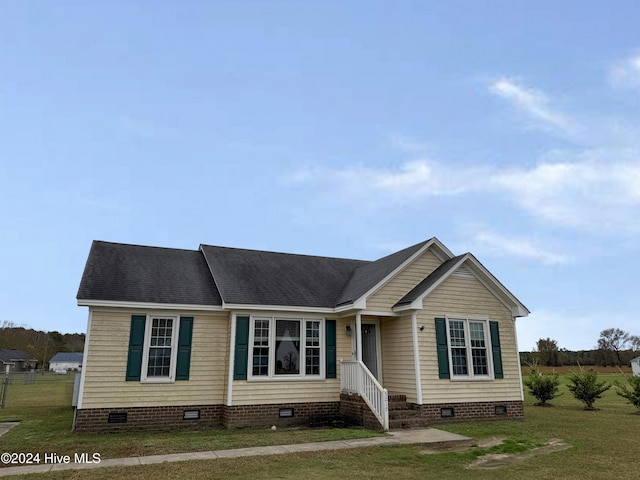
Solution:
(159, 356)
(469, 344)
(286, 348)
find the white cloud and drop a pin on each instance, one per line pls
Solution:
(586, 194)
(626, 73)
(494, 243)
(417, 178)
(533, 103)
(592, 192)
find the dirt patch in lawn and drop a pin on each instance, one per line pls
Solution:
(495, 460)
(463, 445)
(500, 460)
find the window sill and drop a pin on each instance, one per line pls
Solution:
(472, 379)
(157, 380)
(286, 379)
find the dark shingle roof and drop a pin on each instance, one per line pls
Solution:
(370, 274)
(431, 279)
(267, 278)
(11, 355)
(133, 273)
(67, 357)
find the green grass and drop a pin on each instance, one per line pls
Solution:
(45, 416)
(603, 445)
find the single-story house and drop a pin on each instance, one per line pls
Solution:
(232, 337)
(65, 361)
(16, 361)
(635, 366)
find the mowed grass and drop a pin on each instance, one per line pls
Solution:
(604, 444)
(45, 415)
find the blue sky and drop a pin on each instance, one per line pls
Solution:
(349, 129)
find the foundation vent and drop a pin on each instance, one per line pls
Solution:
(446, 412)
(191, 415)
(117, 417)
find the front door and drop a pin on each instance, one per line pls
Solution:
(370, 348)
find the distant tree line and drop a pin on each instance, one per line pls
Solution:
(42, 345)
(615, 347)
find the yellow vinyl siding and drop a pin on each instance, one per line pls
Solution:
(470, 298)
(106, 363)
(402, 283)
(397, 357)
(296, 391)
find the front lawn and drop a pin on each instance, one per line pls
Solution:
(603, 445)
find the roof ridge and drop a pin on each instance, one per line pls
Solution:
(285, 253)
(144, 246)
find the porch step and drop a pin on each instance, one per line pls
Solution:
(404, 423)
(404, 415)
(397, 397)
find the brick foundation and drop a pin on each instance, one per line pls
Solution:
(316, 413)
(350, 409)
(356, 411)
(96, 420)
(462, 412)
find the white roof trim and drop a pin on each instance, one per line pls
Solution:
(491, 283)
(161, 306)
(417, 303)
(517, 308)
(277, 308)
(361, 302)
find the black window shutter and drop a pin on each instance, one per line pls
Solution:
(241, 355)
(183, 361)
(136, 346)
(442, 348)
(331, 367)
(496, 350)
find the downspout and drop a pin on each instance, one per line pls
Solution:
(232, 358)
(416, 356)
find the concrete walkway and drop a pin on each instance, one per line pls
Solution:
(404, 437)
(6, 426)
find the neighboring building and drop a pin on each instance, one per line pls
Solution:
(234, 337)
(16, 360)
(65, 361)
(635, 366)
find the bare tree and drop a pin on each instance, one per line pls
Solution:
(634, 341)
(613, 340)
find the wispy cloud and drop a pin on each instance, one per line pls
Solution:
(592, 191)
(584, 189)
(626, 73)
(408, 180)
(533, 103)
(586, 194)
(484, 240)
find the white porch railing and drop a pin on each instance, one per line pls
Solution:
(355, 377)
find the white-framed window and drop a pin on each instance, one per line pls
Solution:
(160, 349)
(469, 348)
(286, 348)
